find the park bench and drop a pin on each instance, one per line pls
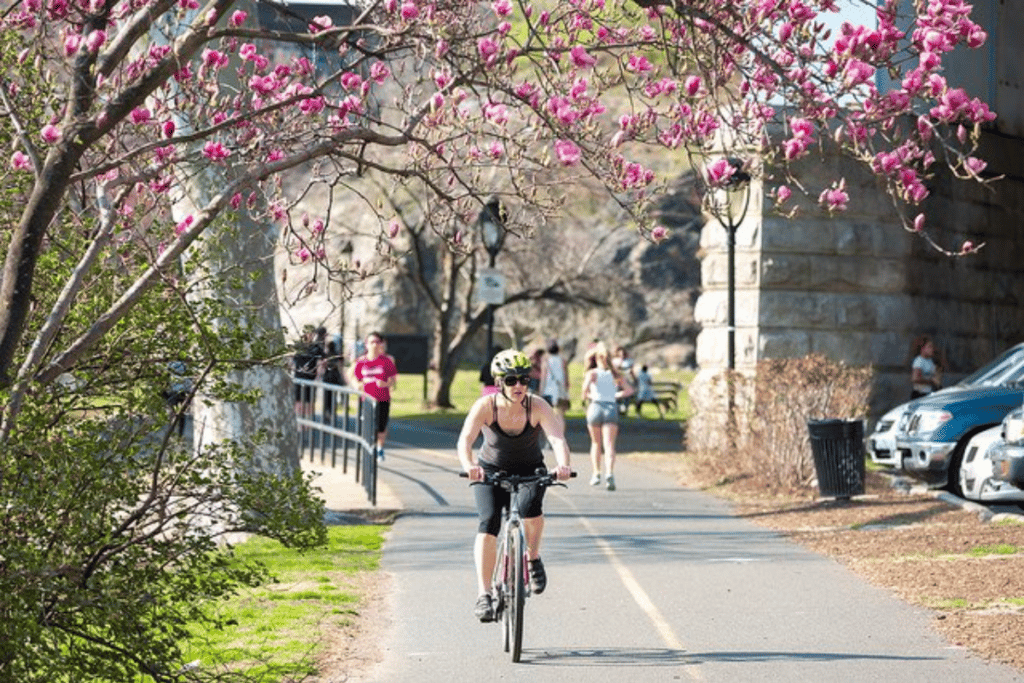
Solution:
(666, 396)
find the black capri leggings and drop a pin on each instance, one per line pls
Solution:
(490, 500)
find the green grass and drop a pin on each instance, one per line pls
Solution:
(407, 399)
(274, 631)
(1001, 549)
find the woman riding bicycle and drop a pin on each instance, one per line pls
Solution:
(511, 421)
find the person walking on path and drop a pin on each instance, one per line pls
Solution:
(925, 373)
(554, 380)
(332, 375)
(306, 363)
(376, 375)
(536, 370)
(511, 421)
(604, 388)
(626, 368)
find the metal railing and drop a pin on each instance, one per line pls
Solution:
(340, 418)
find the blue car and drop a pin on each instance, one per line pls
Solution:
(931, 435)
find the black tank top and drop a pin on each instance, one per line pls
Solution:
(515, 454)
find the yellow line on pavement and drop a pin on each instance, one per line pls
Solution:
(640, 596)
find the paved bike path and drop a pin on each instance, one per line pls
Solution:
(651, 582)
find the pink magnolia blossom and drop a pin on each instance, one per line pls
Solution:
(312, 105)
(581, 58)
(919, 222)
(719, 172)
(502, 8)
(487, 48)
(975, 165)
(409, 10)
(184, 225)
(248, 52)
(236, 200)
(379, 72)
(168, 129)
(50, 133)
(214, 59)
(71, 44)
(783, 193)
(140, 115)
(238, 18)
(164, 154)
(94, 41)
(351, 81)
(692, 85)
(638, 64)
(968, 246)
(835, 198)
(215, 151)
(659, 233)
(443, 78)
(635, 175)
(496, 113)
(393, 227)
(801, 127)
(567, 152)
(20, 161)
(320, 23)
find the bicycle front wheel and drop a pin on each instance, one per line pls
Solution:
(517, 599)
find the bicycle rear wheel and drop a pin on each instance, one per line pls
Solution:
(517, 599)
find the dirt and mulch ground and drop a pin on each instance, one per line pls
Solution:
(968, 571)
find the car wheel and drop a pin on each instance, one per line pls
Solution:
(954, 475)
(966, 491)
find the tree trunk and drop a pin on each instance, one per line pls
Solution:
(249, 249)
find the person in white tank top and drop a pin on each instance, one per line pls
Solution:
(603, 386)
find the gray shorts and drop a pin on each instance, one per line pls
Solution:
(601, 413)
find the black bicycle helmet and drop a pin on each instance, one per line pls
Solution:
(510, 362)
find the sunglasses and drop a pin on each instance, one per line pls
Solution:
(512, 380)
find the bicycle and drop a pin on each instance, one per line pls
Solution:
(510, 581)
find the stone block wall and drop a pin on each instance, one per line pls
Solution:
(858, 287)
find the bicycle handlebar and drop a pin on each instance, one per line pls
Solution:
(499, 478)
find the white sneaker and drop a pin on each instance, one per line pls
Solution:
(595, 480)
(380, 454)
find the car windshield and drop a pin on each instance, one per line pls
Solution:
(1005, 369)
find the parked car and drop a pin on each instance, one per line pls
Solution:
(1008, 455)
(978, 480)
(931, 434)
(882, 442)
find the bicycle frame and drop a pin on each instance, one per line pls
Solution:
(510, 581)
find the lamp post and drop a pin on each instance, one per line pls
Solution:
(737, 187)
(492, 232)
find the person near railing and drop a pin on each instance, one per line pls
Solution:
(376, 375)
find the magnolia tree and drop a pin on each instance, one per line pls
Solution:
(507, 88)
(145, 135)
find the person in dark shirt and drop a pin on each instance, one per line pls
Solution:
(511, 421)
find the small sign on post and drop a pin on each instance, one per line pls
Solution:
(490, 286)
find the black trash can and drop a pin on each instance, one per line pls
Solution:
(838, 448)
